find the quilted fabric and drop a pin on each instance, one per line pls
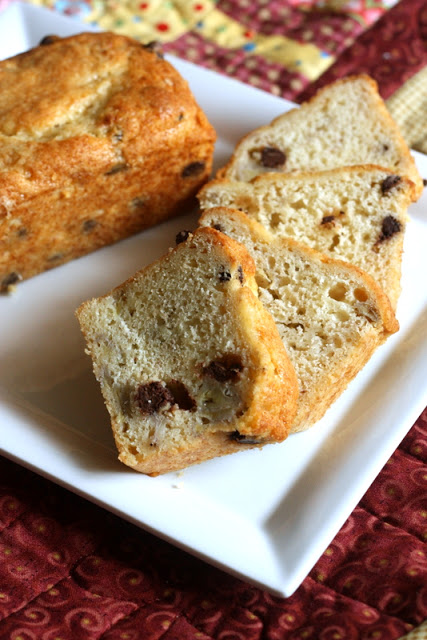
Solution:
(391, 51)
(287, 47)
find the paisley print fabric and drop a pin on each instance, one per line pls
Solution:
(391, 51)
(70, 570)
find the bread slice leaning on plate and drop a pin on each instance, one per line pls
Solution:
(190, 364)
(331, 315)
(346, 123)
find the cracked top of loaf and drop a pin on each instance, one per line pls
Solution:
(92, 103)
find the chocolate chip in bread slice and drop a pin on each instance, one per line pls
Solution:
(356, 214)
(346, 123)
(331, 315)
(190, 364)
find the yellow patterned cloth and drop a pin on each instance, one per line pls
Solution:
(166, 21)
(279, 46)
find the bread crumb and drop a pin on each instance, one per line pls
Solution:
(11, 289)
(178, 483)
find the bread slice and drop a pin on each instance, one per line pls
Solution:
(356, 214)
(190, 364)
(330, 314)
(346, 123)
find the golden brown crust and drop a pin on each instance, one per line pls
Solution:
(303, 174)
(204, 448)
(275, 393)
(104, 123)
(264, 179)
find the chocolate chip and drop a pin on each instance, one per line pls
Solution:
(151, 397)
(240, 275)
(224, 276)
(138, 203)
(89, 225)
(327, 219)
(180, 117)
(48, 40)
(295, 325)
(217, 227)
(181, 396)
(238, 437)
(425, 182)
(116, 169)
(193, 169)
(12, 278)
(182, 236)
(271, 157)
(385, 147)
(388, 183)
(155, 47)
(227, 369)
(390, 226)
(118, 136)
(55, 257)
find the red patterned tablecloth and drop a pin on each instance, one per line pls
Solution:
(69, 569)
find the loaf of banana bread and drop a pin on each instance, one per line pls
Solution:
(100, 137)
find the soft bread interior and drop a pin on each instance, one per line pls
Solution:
(331, 315)
(189, 362)
(356, 214)
(346, 123)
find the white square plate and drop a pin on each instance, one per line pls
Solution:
(265, 516)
